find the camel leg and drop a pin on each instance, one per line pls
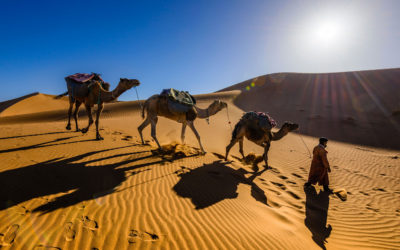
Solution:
(153, 130)
(231, 144)
(142, 126)
(241, 147)
(77, 105)
(266, 149)
(191, 125)
(71, 105)
(98, 113)
(89, 114)
(183, 132)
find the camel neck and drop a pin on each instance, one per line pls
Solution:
(278, 135)
(205, 113)
(109, 96)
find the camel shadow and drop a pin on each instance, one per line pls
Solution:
(317, 206)
(23, 136)
(46, 144)
(214, 182)
(72, 179)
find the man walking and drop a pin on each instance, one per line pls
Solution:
(319, 166)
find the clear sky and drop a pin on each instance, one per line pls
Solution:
(199, 46)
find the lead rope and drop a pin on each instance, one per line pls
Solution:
(140, 103)
(229, 120)
(309, 153)
(98, 98)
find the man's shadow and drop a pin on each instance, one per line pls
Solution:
(214, 182)
(317, 205)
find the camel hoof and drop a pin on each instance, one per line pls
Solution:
(77, 130)
(99, 138)
(68, 127)
(84, 130)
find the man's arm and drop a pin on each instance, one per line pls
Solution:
(324, 158)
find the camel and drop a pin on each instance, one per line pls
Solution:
(157, 105)
(249, 127)
(91, 94)
(77, 93)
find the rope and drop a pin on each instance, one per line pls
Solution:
(229, 120)
(137, 95)
(98, 98)
(309, 153)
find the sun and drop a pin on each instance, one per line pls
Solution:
(327, 32)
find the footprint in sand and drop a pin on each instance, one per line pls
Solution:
(298, 176)
(89, 224)
(69, 232)
(21, 210)
(294, 195)
(40, 247)
(10, 235)
(280, 185)
(127, 138)
(136, 236)
(379, 189)
(283, 177)
(376, 210)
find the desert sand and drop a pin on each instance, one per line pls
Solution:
(64, 190)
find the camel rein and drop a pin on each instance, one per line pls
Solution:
(137, 96)
(229, 120)
(309, 153)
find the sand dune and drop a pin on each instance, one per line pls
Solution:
(356, 107)
(63, 190)
(32, 103)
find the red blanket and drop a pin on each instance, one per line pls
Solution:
(83, 77)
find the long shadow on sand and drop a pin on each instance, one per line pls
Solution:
(214, 182)
(23, 136)
(46, 144)
(317, 205)
(72, 178)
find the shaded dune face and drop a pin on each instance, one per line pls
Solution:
(355, 107)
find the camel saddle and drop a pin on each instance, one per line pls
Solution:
(180, 102)
(264, 119)
(83, 77)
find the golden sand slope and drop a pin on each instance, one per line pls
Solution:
(63, 190)
(33, 103)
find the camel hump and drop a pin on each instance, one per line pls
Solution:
(182, 97)
(84, 77)
(264, 120)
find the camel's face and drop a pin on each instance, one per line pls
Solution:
(128, 83)
(291, 126)
(218, 104)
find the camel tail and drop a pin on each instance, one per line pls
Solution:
(59, 96)
(236, 129)
(144, 107)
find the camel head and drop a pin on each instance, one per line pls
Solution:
(289, 126)
(218, 105)
(126, 83)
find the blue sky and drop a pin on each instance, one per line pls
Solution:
(199, 46)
